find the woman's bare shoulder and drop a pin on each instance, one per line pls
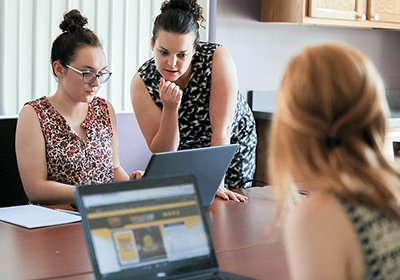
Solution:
(319, 209)
(27, 117)
(318, 233)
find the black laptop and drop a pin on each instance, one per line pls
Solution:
(151, 228)
(208, 165)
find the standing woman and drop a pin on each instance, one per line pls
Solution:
(187, 97)
(327, 138)
(69, 138)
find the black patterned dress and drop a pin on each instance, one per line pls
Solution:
(379, 238)
(194, 116)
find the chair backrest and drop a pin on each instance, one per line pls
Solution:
(262, 100)
(11, 189)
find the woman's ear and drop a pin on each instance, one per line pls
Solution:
(58, 69)
(152, 42)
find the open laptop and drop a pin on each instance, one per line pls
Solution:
(153, 228)
(208, 165)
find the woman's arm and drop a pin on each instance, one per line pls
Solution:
(32, 165)
(160, 128)
(223, 96)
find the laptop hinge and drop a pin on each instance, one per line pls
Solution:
(200, 275)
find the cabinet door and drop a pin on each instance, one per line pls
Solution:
(384, 10)
(337, 9)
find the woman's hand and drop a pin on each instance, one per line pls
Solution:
(226, 194)
(137, 174)
(170, 94)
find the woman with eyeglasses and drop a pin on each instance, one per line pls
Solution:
(70, 138)
(187, 97)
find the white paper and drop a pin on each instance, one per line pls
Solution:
(33, 216)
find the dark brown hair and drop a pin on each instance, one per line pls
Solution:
(74, 36)
(179, 16)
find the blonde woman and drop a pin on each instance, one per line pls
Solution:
(327, 139)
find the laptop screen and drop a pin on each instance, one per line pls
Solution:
(207, 164)
(153, 232)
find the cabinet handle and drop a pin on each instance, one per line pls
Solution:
(375, 17)
(361, 16)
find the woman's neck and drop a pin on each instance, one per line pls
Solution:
(183, 81)
(67, 107)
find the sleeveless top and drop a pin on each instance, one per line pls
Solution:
(194, 118)
(379, 237)
(71, 160)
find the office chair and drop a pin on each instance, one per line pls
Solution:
(11, 189)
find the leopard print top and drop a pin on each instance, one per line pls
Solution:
(379, 237)
(71, 160)
(194, 118)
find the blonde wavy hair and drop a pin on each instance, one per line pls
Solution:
(329, 128)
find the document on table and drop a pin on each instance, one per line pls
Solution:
(33, 216)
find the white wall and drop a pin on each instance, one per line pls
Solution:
(28, 28)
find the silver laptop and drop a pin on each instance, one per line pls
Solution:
(208, 165)
(151, 228)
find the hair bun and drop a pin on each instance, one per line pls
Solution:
(176, 4)
(73, 21)
(186, 5)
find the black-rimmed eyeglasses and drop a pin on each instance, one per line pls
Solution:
(89, 77)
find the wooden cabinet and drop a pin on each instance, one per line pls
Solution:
(384, 10)
(350, 13)
(343, 9)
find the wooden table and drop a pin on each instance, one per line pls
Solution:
(240, 233)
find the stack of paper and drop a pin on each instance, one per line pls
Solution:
(33, 216)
